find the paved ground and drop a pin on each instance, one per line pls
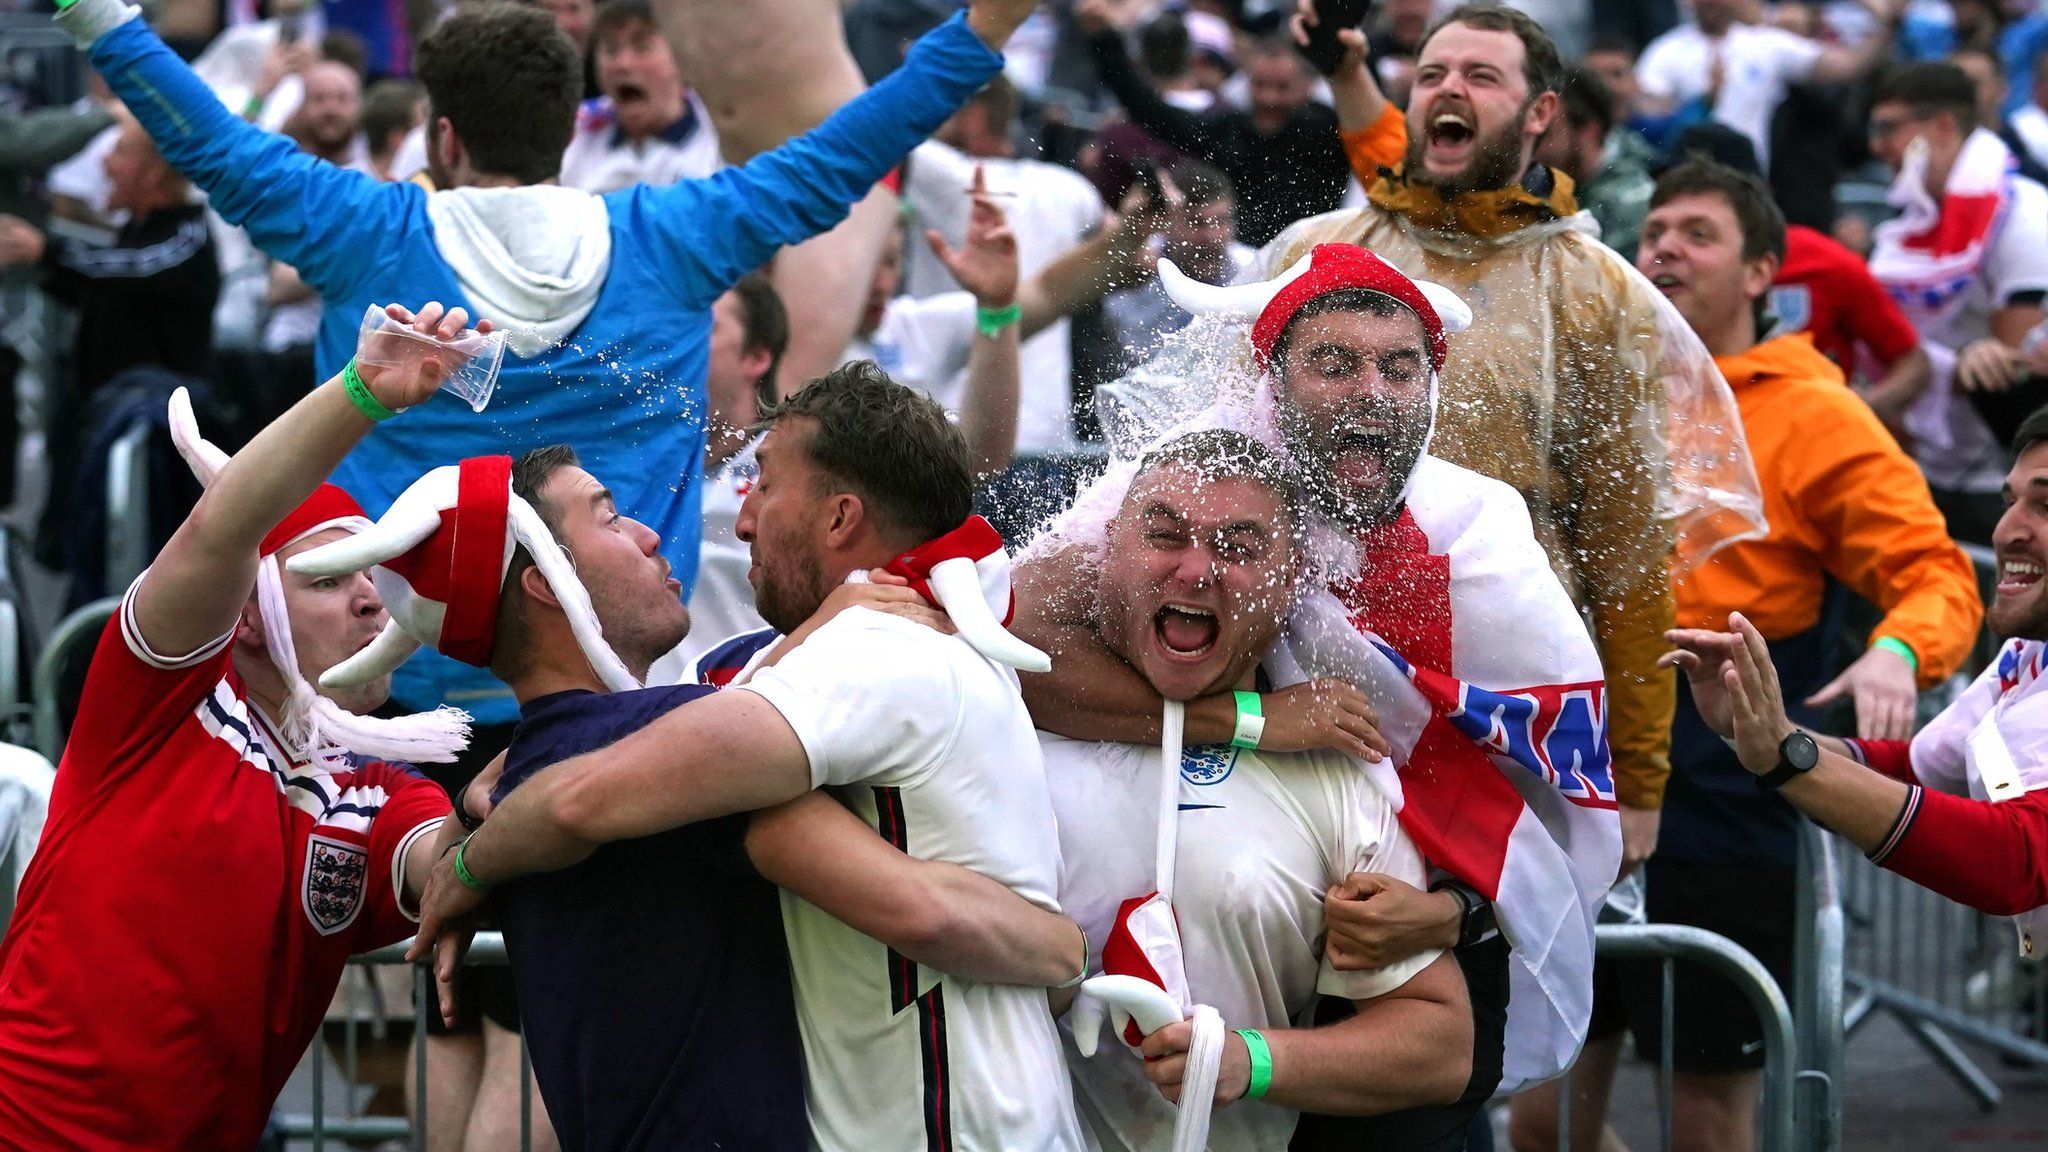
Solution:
(1899, 1100)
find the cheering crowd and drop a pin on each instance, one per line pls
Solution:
(877, 542)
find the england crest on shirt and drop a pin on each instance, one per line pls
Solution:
(332, 891)
(1792, 304)
(1207, 763)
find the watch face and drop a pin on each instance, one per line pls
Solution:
(1799, 751)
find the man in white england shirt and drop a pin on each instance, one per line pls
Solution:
(1742, 70)
(1196, 577)
(914, 730)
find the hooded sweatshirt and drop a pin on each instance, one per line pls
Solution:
(609, 296)
(1843, 500)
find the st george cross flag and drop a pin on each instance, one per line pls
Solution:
(1492, 697)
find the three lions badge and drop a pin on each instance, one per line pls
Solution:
(335, 876)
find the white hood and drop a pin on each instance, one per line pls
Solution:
(530, 259)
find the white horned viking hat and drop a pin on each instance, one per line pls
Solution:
(1269, 305)
(440, 556)
(320, 728)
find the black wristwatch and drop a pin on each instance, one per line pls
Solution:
(1475, 912)
(1797, 754)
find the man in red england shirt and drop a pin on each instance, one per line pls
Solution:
(1962, 808)
(221, 839)
(1827, 290)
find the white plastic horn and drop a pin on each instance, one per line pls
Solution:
(201, 455)
(1121, 997)
(1242, 300)
(1451, 310)
(381, 657)
(956, 585)
(394, 534)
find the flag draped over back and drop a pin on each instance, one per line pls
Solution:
(1491, 694)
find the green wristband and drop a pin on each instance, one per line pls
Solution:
(1262, 1063)
(1251, 721)
(359, 395)
(462, 872)
(992, 321)
(1899, 648)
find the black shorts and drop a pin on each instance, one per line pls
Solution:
(1435, 1127)
(481, 993)
(1713, 1028)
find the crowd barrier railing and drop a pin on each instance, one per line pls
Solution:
(1944, 972)
(73, 640)
(1782, 1118)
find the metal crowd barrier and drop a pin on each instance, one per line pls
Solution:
(1803, 1041)
(14, 803)
(1944, 972)
(128, 507)
(73, 640)
(1790, 1119)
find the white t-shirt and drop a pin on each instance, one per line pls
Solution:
(722, 602)
(1262, 837)
(1758, 63)
(599, 159)
(924, 344)
(1051, 209)
(928, 741)
(2015, 261)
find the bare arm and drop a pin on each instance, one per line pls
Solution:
(985, 265)
(1410, 1047)
(1106, 261)
(732, 752)
(196, 588)
(1839, 65)
(940, 915)
(1847, 798)
(1356, 93)
(1094, 694)
(1891, 394)
(989, 399)
(2011, 323)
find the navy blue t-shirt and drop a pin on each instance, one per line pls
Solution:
(653, 978)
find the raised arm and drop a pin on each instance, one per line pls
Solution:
(1149, 110)
(195, 590)
(985, 265)
(1353, 89)
(722, 227)
(304, 211)
(939, 915)
(1839, 65)
(1106, 261)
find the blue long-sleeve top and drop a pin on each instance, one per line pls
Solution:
(626, 388)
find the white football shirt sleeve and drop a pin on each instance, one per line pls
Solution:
(1655, 69)
(1792, 56)
(873, 698)
(1372, 840)
(2018, 257)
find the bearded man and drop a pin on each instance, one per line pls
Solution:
(1576, 384)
